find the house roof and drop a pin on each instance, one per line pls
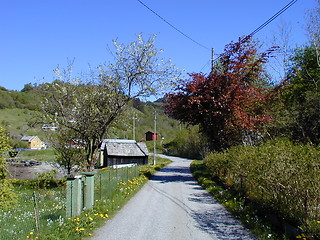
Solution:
(28, 138)
(124, 147)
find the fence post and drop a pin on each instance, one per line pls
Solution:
(88, 190)
(36, 212)
(74, 196)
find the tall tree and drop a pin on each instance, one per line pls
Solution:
(300, 97)
(229, 100)
(89, 104)
(297, 111)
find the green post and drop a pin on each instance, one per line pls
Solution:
(88, 190)
(74, 196)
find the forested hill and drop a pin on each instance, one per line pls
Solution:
(27, 98)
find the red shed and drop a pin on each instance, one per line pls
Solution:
(150, 136)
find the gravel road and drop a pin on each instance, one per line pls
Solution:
(173, 206)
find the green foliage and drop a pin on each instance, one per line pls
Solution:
(297, 109)
(188, 143)
(4, 146)
(282, 176)
(14, 99)
(45, 180)
(7, 196)
(249, 214)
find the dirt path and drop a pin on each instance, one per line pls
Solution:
(173, 206)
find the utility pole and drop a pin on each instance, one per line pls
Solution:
(134, 126)
(155, 138)
(212, 59)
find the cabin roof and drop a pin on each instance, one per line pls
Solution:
(124, 147)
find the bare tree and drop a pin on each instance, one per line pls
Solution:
(313, 29)
(279, 65)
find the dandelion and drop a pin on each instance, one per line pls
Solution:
(31, 233)
(79, 229)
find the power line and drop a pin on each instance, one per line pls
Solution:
(285, 8)
(185, 35)
(273, 17)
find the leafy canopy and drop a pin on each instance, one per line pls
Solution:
(227, 101)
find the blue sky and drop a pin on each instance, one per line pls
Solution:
(39, 35)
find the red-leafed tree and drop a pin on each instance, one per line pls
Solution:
(227, 102)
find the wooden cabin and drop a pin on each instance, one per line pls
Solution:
(122, 151)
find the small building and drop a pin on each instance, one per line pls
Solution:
(150, 136)
(50, 127)
(122, 151)
(34, 142)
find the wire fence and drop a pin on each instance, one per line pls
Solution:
(39, 210)
(106, 182)
(36, 210)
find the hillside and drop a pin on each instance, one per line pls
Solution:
(19, 109)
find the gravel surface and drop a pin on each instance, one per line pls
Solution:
(173, 206)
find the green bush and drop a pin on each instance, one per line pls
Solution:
(282, 176)
(46, 180)
(188, 143)
(8, 198)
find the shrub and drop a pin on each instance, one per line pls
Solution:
(188, 143)
(45, 180)
(8, 197)
(282, 176)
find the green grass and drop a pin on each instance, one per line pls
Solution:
(16, 122)
(19, 222)
(39, 155)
